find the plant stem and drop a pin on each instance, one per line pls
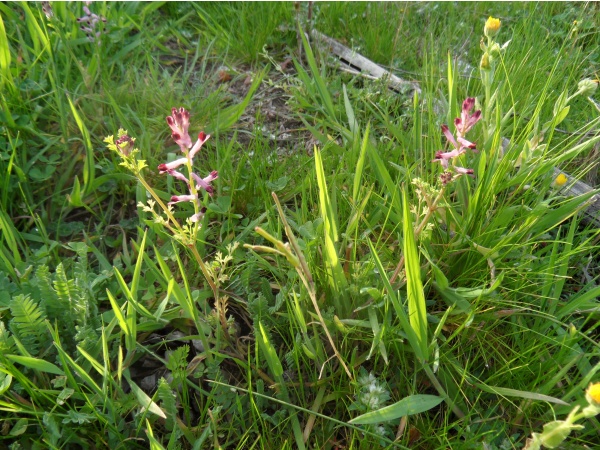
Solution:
(443, 392)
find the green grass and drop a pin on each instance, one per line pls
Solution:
(335, 294)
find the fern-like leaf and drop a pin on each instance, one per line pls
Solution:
(168, 402)
(47, 295)
(65, 288)
(7, 342)
(28, 324)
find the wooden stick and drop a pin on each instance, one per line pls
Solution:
(354, 62)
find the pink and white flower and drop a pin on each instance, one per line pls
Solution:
(463, 124)
(466, 120)
(179, 122)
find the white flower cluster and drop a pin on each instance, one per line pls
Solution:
(373, 394)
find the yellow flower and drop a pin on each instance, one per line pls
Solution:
(492, 26)
(593, 393)
(561, 179)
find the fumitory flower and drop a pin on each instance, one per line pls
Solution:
(463, 125)
(125, 144)
(92, 21)
(466, 121)
(445, 157)
(179, 122)
(464, 171)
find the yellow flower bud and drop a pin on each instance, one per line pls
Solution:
(561, 179)
(492, 26)
(485, 62)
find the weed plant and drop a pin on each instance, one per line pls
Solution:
(404, 271)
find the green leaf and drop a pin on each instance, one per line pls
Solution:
(5, 62)
(507, 392)
(226, 118)
(413, 404)
(36, 364)
(360, 165)
(417, 311)
(398, 307)
(337, 279)
(270, 354)
(5, 381)
(75, 195)
(89, 169)
(78, 418)
(118, 313)
(19, 428)
(352, 122)
(318, 79)
(143, 399)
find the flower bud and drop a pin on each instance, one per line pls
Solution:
(485, 62)
(494, 50)
(125, 144)
(587, 87)
(492, 26)
(482, 45)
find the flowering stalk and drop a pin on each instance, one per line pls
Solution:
(460, 145)
(90, 23)
(186, 234)
(491, 52)
(557, 431)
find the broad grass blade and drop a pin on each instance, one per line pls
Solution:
(36, 364)
(413, 404)
(417, 312)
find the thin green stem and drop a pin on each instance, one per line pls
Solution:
(160, 202)
(205, 271)
(442, 391)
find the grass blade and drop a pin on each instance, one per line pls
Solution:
(413, 404)
(521, 394)
(36, 364)
(275, 365)
(417, 313)
(337, 280)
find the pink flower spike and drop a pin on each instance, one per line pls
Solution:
(202, 138)
(162, 168)
(204, 183)
(179, 122)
